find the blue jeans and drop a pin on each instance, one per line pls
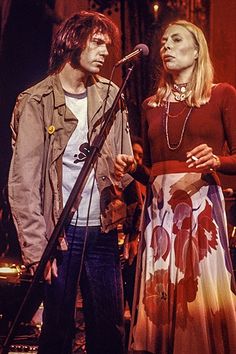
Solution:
(102, 293)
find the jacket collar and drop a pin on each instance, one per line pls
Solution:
(97, 87)
(59, 95)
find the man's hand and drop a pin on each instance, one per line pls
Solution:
(124, 164)
(130, 250)
(50, 271)
(32, 268)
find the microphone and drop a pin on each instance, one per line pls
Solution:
(138, 50)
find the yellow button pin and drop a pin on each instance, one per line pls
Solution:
(51, 129)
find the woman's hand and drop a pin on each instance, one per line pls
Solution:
(202, 157)
(124, 164)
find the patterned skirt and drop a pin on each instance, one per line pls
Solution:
(185, 300)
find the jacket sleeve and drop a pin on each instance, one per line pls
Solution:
(24, 184)
(133, 201)
(131, 193)
(122, 130)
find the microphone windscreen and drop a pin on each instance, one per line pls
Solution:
(143, 47)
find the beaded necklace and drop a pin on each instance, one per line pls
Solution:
(166, 120)
(180, 92)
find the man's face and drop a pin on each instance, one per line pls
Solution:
(93, 56)
(138, 153)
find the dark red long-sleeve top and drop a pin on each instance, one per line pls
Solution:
(213, 124)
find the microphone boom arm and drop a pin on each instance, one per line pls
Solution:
(138, 50)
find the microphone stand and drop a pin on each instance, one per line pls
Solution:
(68, 210)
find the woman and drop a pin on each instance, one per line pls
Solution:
(185, 291)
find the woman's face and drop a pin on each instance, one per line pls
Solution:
(178, 50)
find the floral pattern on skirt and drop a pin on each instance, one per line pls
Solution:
(186, 290)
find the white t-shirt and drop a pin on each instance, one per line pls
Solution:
(73, 160)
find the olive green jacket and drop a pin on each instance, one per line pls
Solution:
(41, 127)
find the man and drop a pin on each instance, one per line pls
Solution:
(54, 123)
(137, 146)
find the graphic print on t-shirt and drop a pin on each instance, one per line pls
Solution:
(74, 156)
(84, 151)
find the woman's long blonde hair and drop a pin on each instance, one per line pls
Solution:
(202, 78)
